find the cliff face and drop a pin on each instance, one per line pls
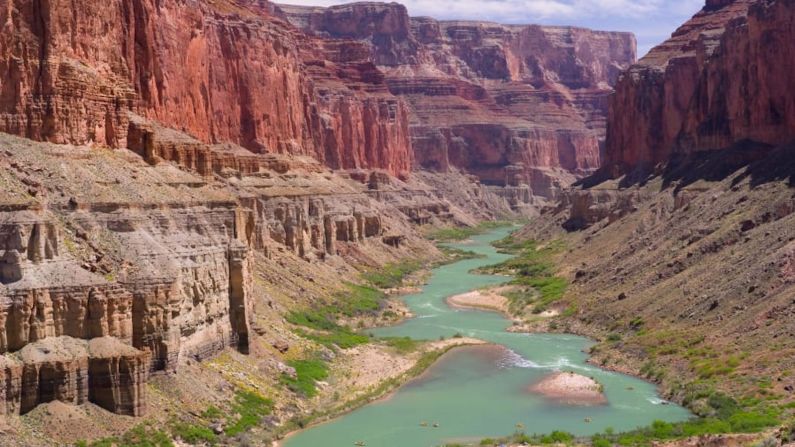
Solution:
(222, 72)
(110, 270)
(514, 105)
(724, 77)
(115, 265)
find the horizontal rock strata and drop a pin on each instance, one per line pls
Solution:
(514, 105)
(724, 77)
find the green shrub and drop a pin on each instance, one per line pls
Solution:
(252, 408)
(532, 267)
(212, 412)
(403, 345)
(357, 300)
(194, 434)
(598, 441)
(141, 435)
(391, 275)
(341, 337)
(752, 422)
(307, 374)
(557, 437)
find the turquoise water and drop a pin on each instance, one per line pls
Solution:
(482, 392)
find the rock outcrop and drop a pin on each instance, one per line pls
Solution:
(514, 105)
(115, 265)
(724, 77)
(110, 270)
(222, 72)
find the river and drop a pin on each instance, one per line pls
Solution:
(479, 392)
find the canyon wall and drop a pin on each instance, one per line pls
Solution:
(724, 77)
(118, 264)
(239, 138)
(110, 270)
(221, 71)
(514, 105)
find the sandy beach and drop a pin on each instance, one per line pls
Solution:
(570, 389)
(480, 300)
(369, 365)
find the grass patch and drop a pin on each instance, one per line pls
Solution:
(142, 435)
(403, 345)
(341, 337)
(356, 300)
(391, 275)
(463, 233)
(307, 374)
(556, 437)
(533, 269)
(250, 408)
(194, 434)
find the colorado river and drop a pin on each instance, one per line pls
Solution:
(482, 392)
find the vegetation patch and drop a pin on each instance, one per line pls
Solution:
(356, 300)
(142, 435)
(453, 255)
(403, 345)
(391, 275)
(532, 269)
(307, 374)
(463, 233)
(341, 337)
(194, 434)
(250, 408)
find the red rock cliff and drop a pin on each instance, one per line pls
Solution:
(724, 77)
(511, 104)
(221, 71)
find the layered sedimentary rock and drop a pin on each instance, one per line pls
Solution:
(222, 72)
(117, 264)
(514, 105)
(723, 78)
(109, 270)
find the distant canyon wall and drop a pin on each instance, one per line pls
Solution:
(360, 86)
(511, 104)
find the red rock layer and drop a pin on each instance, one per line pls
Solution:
(724, 77)
(511, 104)
(223, 72)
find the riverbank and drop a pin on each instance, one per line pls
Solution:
(446, 397)
(376, 375)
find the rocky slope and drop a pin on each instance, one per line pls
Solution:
(119, 264)
(686, 269)
(513, 105)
